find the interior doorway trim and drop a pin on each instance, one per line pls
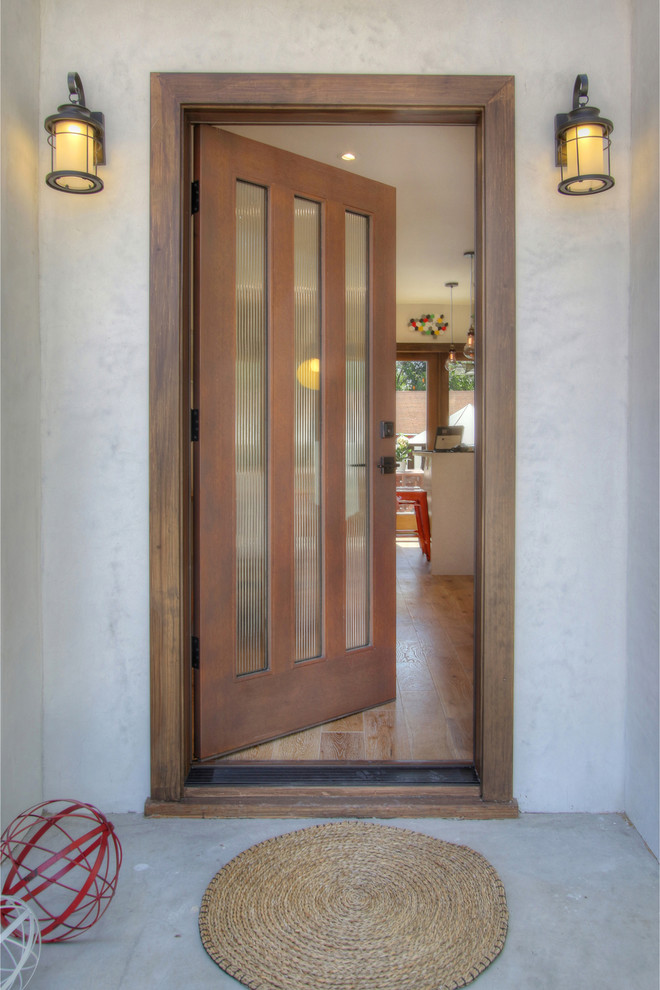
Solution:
(179, 100)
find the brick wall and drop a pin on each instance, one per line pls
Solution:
(410, 412)
(459, 399)
(411, 409)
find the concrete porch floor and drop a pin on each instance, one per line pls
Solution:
(582, 892)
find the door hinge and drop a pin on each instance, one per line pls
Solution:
(194, 652)
(194, 197)
(194, 425)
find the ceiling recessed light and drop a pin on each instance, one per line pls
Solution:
(348, 156)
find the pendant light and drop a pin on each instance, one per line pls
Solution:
(450, 363)
(468, 350)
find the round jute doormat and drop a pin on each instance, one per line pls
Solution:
(354, 906)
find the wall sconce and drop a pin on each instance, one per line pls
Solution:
(583, 146)
(77, 142)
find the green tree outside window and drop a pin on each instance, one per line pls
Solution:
(411, 376)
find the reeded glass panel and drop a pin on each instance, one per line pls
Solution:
(308, 544)
(357, 432)
(251, 431)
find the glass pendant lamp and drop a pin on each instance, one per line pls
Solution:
(452, 357)
(469, 349)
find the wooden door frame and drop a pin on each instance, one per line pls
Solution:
(179, 100)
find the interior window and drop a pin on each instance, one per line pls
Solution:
(461, 399)
(411, 410)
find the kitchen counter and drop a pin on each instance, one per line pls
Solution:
(449, 483)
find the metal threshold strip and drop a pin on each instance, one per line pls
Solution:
(332, 775)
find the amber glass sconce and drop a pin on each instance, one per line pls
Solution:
(582, 139)
(77, 142)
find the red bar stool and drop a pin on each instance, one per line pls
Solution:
(418, 498)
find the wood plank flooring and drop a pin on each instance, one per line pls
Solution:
(432, 717)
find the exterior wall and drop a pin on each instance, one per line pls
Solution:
(642, 748)
(410, 412)
(457, 400)
(573, 272)
(21, 412)
(411, 409)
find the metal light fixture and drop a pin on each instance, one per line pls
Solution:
(469, 349)
(77, 141)
(582, 140)
(452, 358)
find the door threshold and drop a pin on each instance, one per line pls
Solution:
(224, 801)
(331, 774)
(310, 790)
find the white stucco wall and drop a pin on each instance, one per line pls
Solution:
(572, 328)
(21, 412)
(642, 749)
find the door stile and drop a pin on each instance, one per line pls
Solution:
(334, 415)
(194, 480)
(481, 459)
(383, 409)
(281, 442)
(216, 319)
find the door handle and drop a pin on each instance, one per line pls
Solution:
(387, 465)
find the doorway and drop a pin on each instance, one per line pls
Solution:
(187, 99)
(435, 555)
(431, 718)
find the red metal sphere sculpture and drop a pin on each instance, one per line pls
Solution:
(64, 860)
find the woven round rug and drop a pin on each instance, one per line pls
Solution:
(354, 906)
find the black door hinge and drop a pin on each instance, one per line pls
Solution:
(194, 197)
(194, 652)
(194, 425)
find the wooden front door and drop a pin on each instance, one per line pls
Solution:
(294, 345)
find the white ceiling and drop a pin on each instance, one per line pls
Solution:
(432, 168)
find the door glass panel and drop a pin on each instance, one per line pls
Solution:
(251, 437)
(308, 545)
(358, 623)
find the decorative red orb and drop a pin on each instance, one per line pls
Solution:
(64, 861)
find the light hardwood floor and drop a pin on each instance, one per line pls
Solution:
(432, 717)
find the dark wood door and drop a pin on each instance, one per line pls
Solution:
(294, 345)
